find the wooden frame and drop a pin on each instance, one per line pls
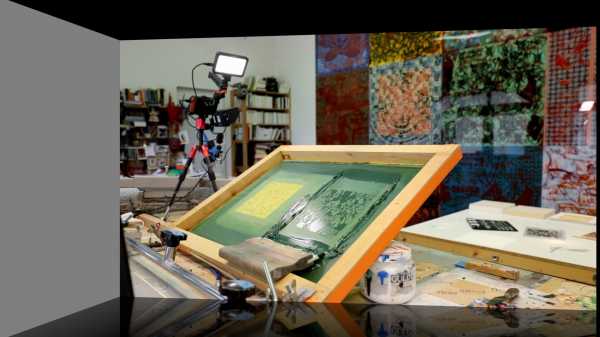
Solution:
(436, 162)
(536, 264)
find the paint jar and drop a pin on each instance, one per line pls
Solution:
(381, 320)
(392, 278)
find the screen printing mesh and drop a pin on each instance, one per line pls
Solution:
(340, 200)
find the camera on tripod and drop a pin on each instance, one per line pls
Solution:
(204, 111)
(205, 108)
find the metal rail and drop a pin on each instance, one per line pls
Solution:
(177, 270)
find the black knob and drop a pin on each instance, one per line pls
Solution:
(237, 290)
(172, 237)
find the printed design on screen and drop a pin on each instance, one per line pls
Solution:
(501, 173)
(459, 39)
(404, 102)
(268, 199)
(342, 52)
(569, 179)
(395, 47)
(483, 103)
(343, 108)
(571, 81)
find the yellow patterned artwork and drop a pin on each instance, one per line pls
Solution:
(398, 47)
(268, 199)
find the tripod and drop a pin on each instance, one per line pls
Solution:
(201, 147)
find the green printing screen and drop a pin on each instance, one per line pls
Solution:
(339, 201)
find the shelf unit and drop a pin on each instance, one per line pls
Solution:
(243, 129)
(133, 159)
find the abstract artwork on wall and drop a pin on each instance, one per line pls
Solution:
(404, 102)
(571, 81)
(343, 108)
(501, 173)
(477, 84)
(460, 39)
(511, 97)
(569, 179)
(395, 47)
(342, 52)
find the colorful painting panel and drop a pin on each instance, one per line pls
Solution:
(404, 102)
(571, 81)
(342, 52)
(343, 108)
(569, 179)
(460, 39)
(477, 84)
(396, 47)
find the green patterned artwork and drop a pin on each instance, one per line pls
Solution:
(498, 86)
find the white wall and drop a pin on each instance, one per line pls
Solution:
(296, 64)
(168, 64)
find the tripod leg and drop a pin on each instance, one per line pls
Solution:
(182, 176)
(211, 174)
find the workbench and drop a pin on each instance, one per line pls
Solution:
(562, 269)
(439, 244)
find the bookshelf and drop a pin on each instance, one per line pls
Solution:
(264, 123)
(146, 134)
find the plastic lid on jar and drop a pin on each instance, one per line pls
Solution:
(395, 251)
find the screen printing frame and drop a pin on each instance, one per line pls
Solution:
(436, 162)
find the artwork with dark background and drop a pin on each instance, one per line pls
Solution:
(501, 173)
(343, 108)
(510, 97)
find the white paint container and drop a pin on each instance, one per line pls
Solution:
(385, 320)
(393, 277)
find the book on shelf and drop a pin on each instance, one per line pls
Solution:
(271, 118)
(260, 101)
(150, 97)
(261, 151)
(281, 103)
(259, 133)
